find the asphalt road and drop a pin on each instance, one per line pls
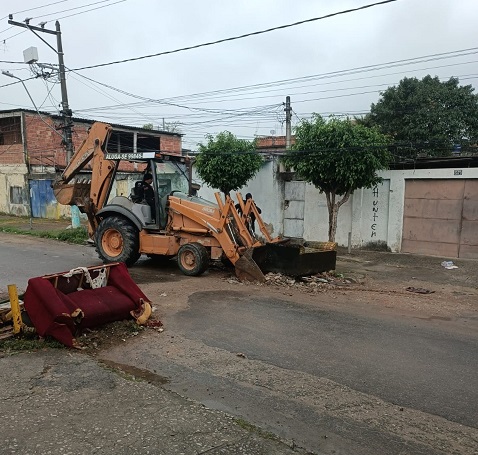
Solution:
(337, 381)
(402, 362)
(23, 257)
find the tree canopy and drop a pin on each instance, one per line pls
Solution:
(337, 157)
(429, 114)
(226, 162)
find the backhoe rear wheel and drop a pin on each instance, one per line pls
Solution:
(117, 240)
(193, 259)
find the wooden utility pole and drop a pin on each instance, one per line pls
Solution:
(288, 123)
(65, 109)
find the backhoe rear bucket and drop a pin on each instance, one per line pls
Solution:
(70, 193)
(247, 269)
(296, 259)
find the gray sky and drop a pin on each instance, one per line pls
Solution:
(304, 56)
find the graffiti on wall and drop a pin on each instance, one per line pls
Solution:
(375, 212)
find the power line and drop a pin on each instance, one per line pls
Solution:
(93, 9)
(70, 15)
(32, 9)
(340, 73)
(246, 35)
(72, 9)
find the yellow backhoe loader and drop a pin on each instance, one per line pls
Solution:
(176, 223)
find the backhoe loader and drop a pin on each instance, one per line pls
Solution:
(183, 225)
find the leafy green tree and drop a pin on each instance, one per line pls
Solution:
(337, 157)
(427, 114)
(148, 126)
(227, 162)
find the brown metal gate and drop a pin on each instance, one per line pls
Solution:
(441, 217)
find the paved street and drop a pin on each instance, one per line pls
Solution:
(368, 371)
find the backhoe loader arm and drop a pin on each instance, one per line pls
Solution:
(97, 136)
(248, 208)
(88, 195)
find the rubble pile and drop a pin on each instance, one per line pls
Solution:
(315, 283)
(320, 282)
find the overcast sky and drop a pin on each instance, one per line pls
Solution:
(322, 64)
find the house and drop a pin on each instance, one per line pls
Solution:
(32, 155)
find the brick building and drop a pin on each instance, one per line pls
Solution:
(32, 156)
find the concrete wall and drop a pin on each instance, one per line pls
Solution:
(297, 209)
(371, 214)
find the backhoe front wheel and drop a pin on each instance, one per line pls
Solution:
(117, 240)
(193, 259)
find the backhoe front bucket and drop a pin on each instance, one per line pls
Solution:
(70, 193)
(296, 259)
(247, 269)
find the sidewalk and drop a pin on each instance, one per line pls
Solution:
(47, 409)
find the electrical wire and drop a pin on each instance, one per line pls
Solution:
(37, 7)
(70, 15)
(91, 9)
(233, 38)
(450, 54)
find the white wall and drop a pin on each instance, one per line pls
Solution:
(371, 214)
(266, 190)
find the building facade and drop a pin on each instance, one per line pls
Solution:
(32, 156)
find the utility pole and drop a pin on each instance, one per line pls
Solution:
(65, 109)
(288, 122)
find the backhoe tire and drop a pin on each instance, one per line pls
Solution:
(117, 240)
(193, 259)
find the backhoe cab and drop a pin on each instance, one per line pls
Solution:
(175, 222)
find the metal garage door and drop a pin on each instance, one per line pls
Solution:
(441, 218)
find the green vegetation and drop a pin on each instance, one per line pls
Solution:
(338, 157)
(226, 162)
(27, 343)
(77, 235)
(427, 116)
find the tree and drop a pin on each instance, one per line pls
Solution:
(428, 114)
(227, 162)
(337, 157)
(148, 126)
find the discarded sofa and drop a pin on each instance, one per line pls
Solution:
(63, 304)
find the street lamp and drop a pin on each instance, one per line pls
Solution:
(7, 73)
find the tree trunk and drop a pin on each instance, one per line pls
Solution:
(334, 211)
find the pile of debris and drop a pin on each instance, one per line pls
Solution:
(316, 283)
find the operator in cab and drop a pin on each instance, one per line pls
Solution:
(148, 193)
